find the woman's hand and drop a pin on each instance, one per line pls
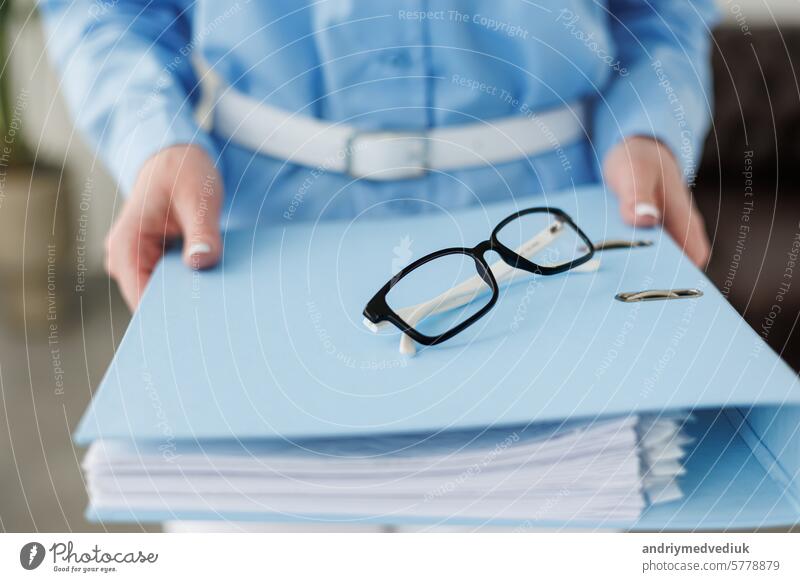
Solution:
(178, 193)
(647, 179)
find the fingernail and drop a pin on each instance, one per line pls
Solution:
(199, 248)
(645, 209)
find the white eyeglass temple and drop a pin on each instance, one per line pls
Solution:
(408, 346)
(474, 286)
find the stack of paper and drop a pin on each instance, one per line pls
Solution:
(595, 470)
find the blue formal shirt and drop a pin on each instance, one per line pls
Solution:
(129, 78)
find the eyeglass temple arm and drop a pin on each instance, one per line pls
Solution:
(474, 286)
(407, 345)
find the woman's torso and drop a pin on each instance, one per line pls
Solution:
(406, 66)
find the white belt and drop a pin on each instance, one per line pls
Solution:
(390, 155)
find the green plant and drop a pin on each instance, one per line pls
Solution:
(13, 149)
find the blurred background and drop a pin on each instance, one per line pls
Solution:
(61, 320)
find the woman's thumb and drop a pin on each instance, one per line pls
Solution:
(198, 215)
(636, 184)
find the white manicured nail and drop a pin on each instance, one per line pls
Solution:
(645, 209)
(199, 248)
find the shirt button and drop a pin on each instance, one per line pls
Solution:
(396, 58)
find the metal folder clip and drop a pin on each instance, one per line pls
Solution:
(658, 295)
(614, 244)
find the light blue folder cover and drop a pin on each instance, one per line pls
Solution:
(271, 345)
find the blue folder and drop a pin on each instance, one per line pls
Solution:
(270, 345)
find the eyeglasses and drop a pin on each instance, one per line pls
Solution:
(440, 295)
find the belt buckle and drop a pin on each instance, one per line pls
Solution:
(418, 165)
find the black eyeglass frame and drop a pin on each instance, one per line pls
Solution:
(378, 310)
